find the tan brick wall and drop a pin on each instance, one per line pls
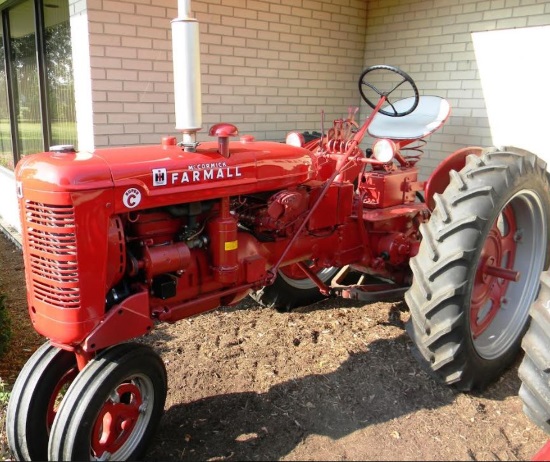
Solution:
(432, 41)
(269, 67)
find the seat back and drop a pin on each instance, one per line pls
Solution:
(430, 114)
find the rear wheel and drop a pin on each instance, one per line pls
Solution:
(477, 270)
(292, 288)
(112, 408)
(534, 370)
(35, 398)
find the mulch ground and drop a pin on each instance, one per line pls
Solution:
(333, 381)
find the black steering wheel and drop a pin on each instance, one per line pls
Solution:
(393, 84)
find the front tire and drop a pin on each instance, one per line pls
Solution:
(488, 228)
(112, 408)
(34, 399)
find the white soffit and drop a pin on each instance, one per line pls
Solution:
(514, 70)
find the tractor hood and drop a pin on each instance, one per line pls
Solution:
(149, 176)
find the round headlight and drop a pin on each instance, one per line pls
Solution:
(383, 150)
(295, 139)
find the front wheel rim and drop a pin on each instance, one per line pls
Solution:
(58, 393)
(515, 247)
(123, 419)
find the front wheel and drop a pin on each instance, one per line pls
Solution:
(292, 288)
(35, 398)
(477, 270)
(112, 408)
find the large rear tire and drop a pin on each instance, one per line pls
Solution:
(34, 400)
(292, 289)
(534, 370)
(112, 408)
(489, 227)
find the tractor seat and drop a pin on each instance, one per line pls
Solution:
(429, 115)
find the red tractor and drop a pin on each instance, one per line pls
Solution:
(118, 240)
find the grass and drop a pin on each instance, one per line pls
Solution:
(30, 135)
(5, 334)
(4, 394)
(5, 453)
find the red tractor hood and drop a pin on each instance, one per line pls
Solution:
(146, 176)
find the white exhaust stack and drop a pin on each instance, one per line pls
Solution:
(187, 74)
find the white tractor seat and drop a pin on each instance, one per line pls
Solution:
(429, 115)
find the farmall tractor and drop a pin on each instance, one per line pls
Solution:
(118, 240)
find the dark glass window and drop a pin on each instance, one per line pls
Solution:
(6, 151)
(37, 103)
(26, 94)
(59, 70)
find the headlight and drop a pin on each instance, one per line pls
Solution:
(295, 139)
(383, 150)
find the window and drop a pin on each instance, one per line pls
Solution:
(26, 93)
(37, 107)
(6, 151)
(59, 69)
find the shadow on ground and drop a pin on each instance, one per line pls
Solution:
(268, 426)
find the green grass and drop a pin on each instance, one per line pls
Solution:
(5, 453)
(4, 394)
(5, 335)
(30, 134)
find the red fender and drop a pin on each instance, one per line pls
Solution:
(543, 453)
(439, 179)
(129, 319)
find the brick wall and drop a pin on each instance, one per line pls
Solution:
(271, 66)
(432, 41)
(268, 67)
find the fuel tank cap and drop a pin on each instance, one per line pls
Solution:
(62, 148)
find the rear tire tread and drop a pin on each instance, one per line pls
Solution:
(534, 370)
(449, 253)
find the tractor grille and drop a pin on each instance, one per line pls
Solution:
(51, 241)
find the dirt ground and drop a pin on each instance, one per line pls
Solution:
(333, 381)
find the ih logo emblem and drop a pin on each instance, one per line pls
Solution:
(160, 177)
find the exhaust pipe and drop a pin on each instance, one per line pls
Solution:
(187, 74)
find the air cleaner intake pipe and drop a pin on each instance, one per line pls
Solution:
(187, 74)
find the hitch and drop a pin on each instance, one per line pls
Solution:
(373, 291)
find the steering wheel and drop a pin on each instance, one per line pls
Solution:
(405, 78)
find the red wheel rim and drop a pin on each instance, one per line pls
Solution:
(67, 378)
(494, 272)
(117, 419)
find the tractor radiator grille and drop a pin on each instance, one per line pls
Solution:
(51, 241)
